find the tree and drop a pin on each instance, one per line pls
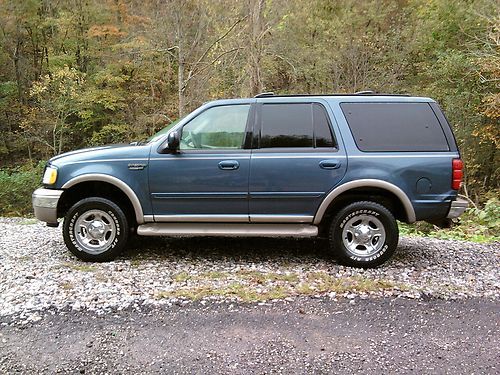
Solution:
(58, 98)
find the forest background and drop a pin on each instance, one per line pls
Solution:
(79, 73)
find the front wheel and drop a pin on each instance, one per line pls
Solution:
(95, 229)
(364, 234)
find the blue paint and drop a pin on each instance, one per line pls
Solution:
(264, 181)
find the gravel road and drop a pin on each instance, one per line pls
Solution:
(245, 305)
(38, 274)
(308, 335)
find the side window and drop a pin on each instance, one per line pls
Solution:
(286, 125)
(216, 128)
(295, 125)
(322, 129)
(395, 127)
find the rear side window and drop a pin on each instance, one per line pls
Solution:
(394, 127)
(295, 125)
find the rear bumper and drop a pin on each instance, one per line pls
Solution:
(457, 208)
(45, 204)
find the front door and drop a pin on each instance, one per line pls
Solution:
(207, 180)
(296, 161)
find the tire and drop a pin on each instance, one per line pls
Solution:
(95, 229)
(363, 234)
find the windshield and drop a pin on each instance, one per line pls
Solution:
(163, 131)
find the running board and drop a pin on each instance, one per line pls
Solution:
(227, 230)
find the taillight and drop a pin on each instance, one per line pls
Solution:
(457, 173)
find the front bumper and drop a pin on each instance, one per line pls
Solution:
(457, 208)
(45, 204)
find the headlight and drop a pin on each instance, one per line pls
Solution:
(50, 175)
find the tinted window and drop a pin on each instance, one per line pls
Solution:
(394, 127)
(217, 127)
(286, 125)
(291, 125)
(322, 130)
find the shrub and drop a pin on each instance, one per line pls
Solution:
(16, 186)
(476, 224)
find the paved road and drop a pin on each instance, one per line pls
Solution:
(376, 335)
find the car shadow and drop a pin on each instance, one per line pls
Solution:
(249, 249)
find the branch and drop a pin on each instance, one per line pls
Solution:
(217, 41)
(193, 73)
(282, 58)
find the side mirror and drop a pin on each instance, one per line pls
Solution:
(173, 141)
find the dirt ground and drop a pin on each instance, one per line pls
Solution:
(308, 335)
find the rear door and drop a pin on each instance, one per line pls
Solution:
(296, 160)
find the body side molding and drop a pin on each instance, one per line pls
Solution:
(400, 194)
(139, 216)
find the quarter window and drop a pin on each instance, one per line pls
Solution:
(216, 128)
(395, 127)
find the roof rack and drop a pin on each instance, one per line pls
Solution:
(358, 93)
(264, 94)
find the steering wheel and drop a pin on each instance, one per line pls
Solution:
(189, 140)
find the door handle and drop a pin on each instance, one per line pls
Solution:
(229, 165)
(330, 164)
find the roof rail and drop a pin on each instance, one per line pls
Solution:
(359, 93)
(264, 94)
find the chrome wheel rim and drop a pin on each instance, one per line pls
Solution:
(363, 235)
(95, 231)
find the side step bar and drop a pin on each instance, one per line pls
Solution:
(227, 230)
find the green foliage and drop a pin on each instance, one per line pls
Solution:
(16, 186)
(478, 225)
(112, 133)
(81, 73)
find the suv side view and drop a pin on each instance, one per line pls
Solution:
(341, 166)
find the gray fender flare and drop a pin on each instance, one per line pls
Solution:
(139, 215)
(400, 194)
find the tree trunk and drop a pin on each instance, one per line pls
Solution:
(490, 169)
(18, 69)
(255, 33)
(180, 82)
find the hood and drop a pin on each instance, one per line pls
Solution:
(118, 151)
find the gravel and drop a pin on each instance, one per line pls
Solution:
(39, 276)
(306, 336)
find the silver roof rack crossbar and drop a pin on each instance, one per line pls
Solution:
(264, 94)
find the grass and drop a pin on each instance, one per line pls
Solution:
(253, 286)
(236, 290)
(28, 222)
(136, 263)
(67, 285)
(260, 277)
(182, 277)
(80, 267)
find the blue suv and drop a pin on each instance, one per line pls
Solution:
(344, 167)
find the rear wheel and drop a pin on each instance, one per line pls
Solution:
(364, 234)
(95, 229)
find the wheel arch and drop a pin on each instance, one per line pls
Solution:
(103, 185)
(346, 193)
